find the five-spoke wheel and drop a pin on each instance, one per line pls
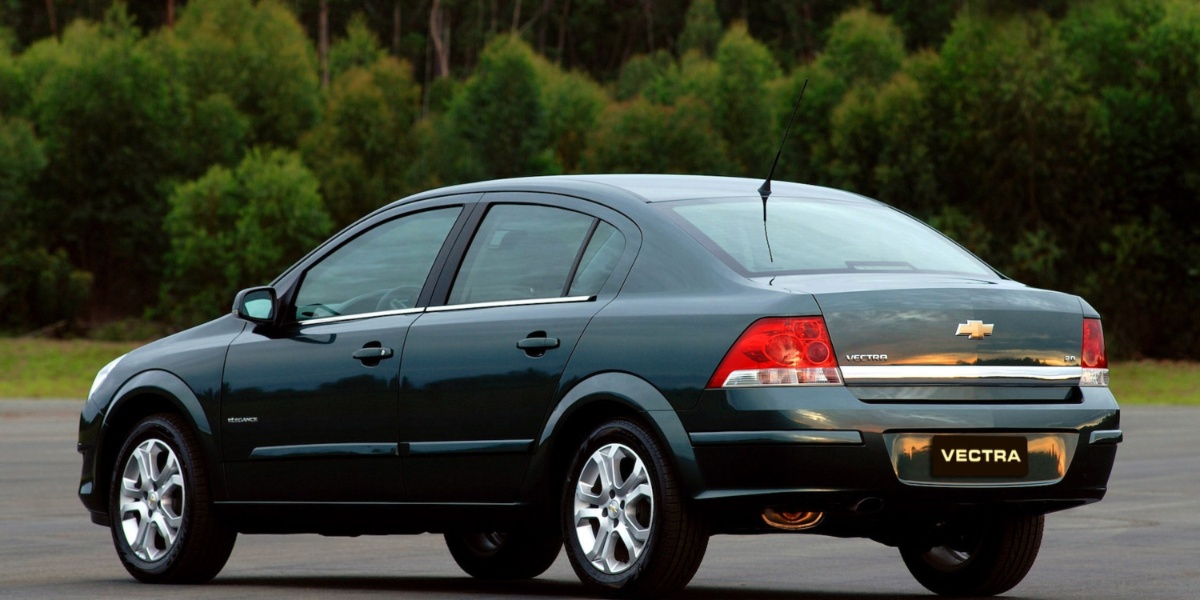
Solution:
(151, 500)
(614, 508)
(161, 518)
(629, 531)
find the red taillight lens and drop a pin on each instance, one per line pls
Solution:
(1093, 345)
(1095, 361)
(780, 351)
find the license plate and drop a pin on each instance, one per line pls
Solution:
(979, 456)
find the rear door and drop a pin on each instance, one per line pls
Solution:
(481, 370)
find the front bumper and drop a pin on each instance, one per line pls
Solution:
(823, 449)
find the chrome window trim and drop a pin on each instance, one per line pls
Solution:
(530, 302)
(852, 374)
(356, 316)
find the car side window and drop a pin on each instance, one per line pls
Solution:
(598, 260)
(382, 269)
(521, 252)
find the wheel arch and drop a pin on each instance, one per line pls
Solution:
(145, 394)
(598, 398)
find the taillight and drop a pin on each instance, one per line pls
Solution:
(780, 351)
(1095, 361)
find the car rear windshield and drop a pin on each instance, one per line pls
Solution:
(820, 236)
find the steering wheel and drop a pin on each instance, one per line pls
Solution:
(398, 298)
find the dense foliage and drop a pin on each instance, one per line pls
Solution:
(157, 156)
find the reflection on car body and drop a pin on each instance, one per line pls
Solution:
(619, 365)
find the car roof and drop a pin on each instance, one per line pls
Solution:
(654, 188)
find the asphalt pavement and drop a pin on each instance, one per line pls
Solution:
(1142, 541)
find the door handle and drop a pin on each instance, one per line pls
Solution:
(538, 343)
(369, 354)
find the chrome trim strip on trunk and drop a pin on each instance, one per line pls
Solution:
(530, 302)
(958, 373)
(776, 437)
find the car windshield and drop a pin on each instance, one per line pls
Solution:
(820, 236)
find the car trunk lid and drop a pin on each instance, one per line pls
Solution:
(894, 329)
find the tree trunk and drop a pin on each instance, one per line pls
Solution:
(53, 20)
(441, 47)
(516, 15)
(648, 7)
(562, 30)
(323, 43)
(171, 13)
(396, 27)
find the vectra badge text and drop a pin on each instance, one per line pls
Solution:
(866, 357)
(974, 330)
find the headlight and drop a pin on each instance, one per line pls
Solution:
(103, 374)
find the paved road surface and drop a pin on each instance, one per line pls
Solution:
(1142, 541)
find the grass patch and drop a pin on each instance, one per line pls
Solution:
(1156, 382)
(35, 368)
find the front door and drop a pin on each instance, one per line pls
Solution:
(314, 400)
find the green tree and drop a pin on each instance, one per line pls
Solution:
(362, 150)
(642, 137)
(237, 228)
(701, 29)
(640, 71)
(863, 47)
(360, 48)
(37, 286)
(1142, 59)
(257, 55)
(743, 113)
(109, 113)
(501, 115)
(1013, 120)
(573, 106)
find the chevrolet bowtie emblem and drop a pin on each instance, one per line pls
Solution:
(974, 330)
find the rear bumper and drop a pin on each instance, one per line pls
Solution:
(824, 450)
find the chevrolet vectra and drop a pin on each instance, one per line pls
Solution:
(623, 366)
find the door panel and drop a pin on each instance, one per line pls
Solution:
(309, 408)
(302, 420)
(481, 372)
(465, 380)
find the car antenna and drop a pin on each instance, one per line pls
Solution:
(764, 190)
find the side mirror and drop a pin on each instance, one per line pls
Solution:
(256, 305)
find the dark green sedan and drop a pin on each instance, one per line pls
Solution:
(622, 365)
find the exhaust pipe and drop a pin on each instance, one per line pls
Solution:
(790, 520)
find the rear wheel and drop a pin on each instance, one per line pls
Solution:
(161, 515)
(520, 554)
(982, 558)
(627, 528)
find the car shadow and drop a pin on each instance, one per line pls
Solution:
(465, 587)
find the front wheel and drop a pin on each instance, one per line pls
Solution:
(982, 558)
(161, 515)
(627, 527)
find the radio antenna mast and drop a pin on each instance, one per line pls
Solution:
(764, 190)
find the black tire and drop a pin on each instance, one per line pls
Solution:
(201, 543)
(674, 538)
(493, 555)
(988, 557)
